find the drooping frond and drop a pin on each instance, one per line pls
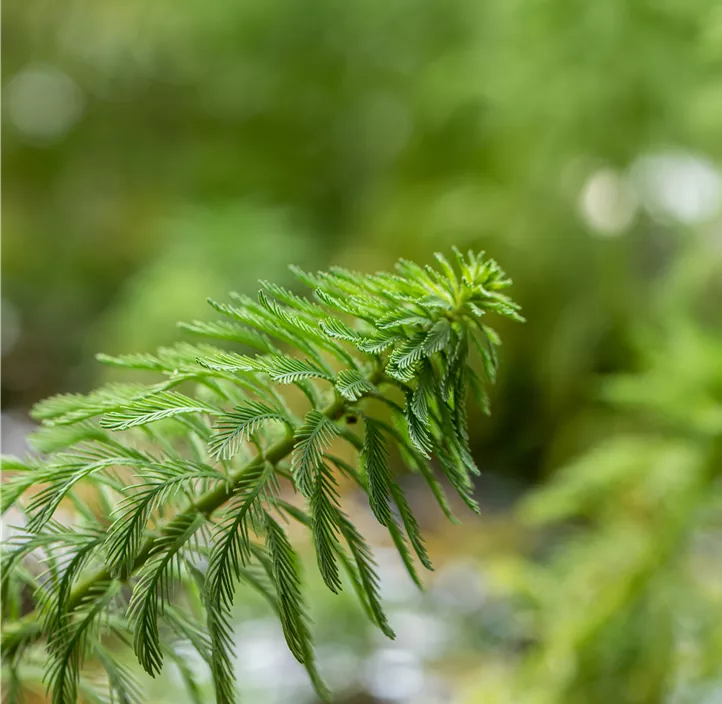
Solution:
(324, 520)
(67, 469)
(375, 459)
(70, 644)
(54, 596)
(154, 589)
(146, 505)
(121, 680)
(284, 562)
(227, 563)
(411, 525)
(162, 481)
(312, 439)
(367, 572)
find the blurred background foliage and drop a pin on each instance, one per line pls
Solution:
(156, 154)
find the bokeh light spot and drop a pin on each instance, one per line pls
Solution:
(678, 186)
(608, 203)
(43, 102)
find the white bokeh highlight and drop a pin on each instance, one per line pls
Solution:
(608, 202)
(678, 185)
(43, 103)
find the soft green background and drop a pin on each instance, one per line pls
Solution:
(158, 153)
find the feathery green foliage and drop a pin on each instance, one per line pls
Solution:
(144, 497)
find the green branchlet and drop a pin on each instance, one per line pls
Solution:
(146, 505)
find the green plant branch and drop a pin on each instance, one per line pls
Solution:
(411, 329)
(206, 504)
